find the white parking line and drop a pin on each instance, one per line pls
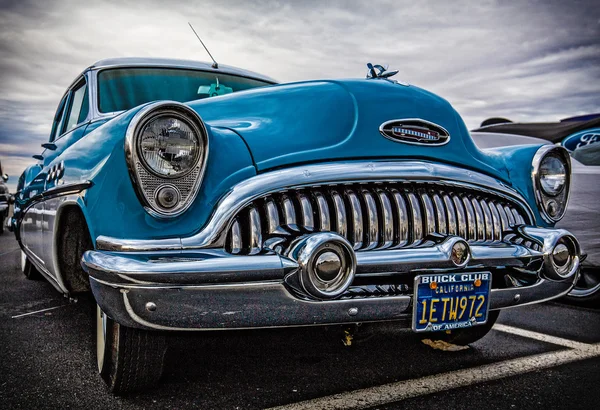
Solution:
(37, 311)
(11, 251)
(394, 392)
(571, 344)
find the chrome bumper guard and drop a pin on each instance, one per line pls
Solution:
(210, 289)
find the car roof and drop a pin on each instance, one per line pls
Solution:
(176, 63)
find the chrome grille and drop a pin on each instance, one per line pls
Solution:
(376, 215)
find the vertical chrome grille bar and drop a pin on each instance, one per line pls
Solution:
(429, 214)
(451, 215)
(401, 222)
(372, 221)
(497, 228)
(272, 216)
(462, 217)
(487, 217)
(236, 238)
(518, 218)
(255, 233)
(323, 209)
(417, 219)
(503, 217)
(341, 218)
(357, 220)
(289, 213)
(510, 216)
(308, 219)
(440, 213)
(480, 220)
(471, 220)
(388, 220)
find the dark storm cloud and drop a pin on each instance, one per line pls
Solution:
(530, 60)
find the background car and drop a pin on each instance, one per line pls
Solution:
(581, 136)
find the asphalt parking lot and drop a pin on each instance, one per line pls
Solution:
(540, 356)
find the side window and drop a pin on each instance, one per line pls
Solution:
(58, 119)
(78, 108)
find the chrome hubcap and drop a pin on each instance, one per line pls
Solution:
(100, 336)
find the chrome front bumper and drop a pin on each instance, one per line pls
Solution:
(210, 289)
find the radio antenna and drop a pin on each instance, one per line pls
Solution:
(215, 64)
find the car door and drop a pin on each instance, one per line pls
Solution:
(68, 131)
(33, 218)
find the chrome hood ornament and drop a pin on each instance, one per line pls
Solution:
(377, 71)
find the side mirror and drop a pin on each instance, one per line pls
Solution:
(38, 157)
(49, 145)
(5, 177)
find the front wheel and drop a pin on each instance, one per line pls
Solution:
(587, 289)
(464, 337)
(128, 359)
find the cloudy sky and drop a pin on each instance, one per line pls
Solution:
(530, 60)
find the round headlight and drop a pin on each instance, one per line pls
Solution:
(553, 175)
(551, 170)
(169, 146)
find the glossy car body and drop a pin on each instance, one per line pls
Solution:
(294, 179)
(581, 218)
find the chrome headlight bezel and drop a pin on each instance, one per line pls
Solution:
(543, 199)
(146, 181)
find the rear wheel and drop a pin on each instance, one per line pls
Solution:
(128, 359)
(28, 269)
(464, 337)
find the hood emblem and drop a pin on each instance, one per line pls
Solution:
(414, 131)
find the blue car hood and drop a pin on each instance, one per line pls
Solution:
(333, 120)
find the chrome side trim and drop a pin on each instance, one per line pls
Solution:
(213, 235)
(57, 191)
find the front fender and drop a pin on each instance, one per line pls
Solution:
(111, 204)
(517, 160)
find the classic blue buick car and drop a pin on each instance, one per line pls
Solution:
(266, 205)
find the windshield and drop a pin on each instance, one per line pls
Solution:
(124, 88)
